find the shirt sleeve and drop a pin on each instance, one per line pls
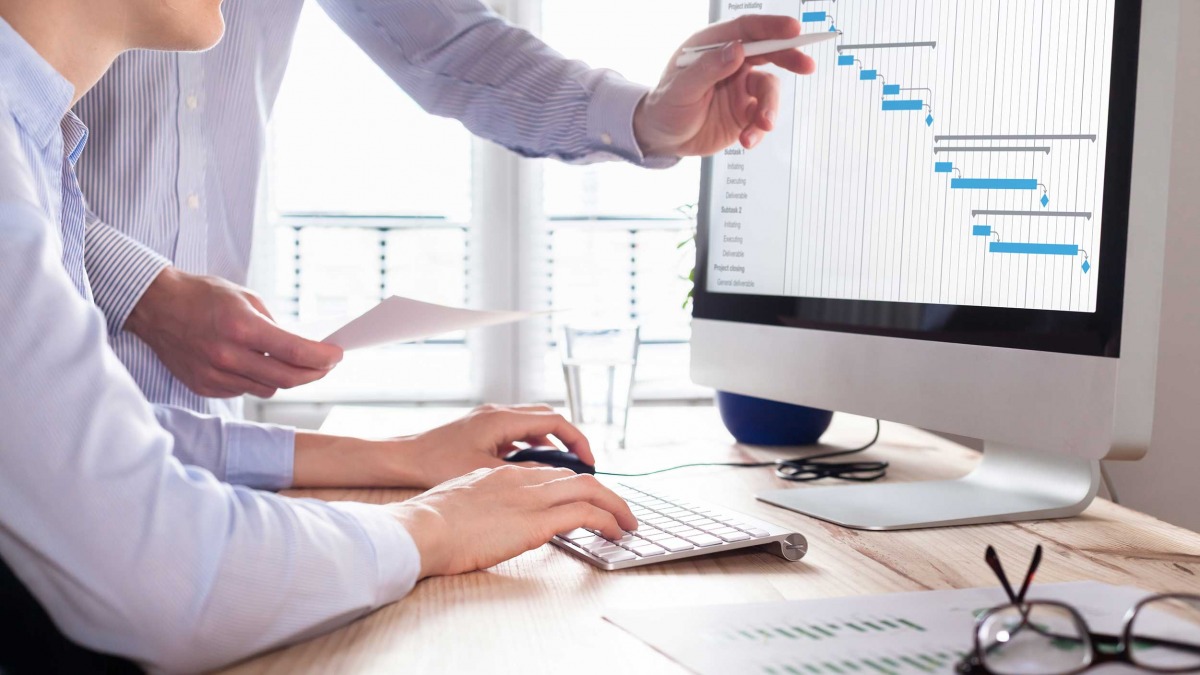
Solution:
(458, 59)
(120, 270)
(260, 456)
(129, 551)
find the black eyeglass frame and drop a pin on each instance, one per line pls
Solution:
(976, 662)
(1122, 653)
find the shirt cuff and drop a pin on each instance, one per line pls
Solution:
(120, 270)
(397, 559)
(261, 456)
(610, 122)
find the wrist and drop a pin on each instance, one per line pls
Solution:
(428, 531)
(643, 132)
(397, 461)
(164, 289)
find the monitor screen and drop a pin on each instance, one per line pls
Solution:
(953, 170)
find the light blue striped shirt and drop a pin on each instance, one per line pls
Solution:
(172, 174)
(129, 550)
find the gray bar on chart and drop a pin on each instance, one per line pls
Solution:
(887, 45)
(1035, 214)
(1021, 137)
(1045, 149)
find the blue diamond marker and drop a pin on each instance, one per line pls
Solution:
(1045, 200)
(1087, 266)
(929, 121)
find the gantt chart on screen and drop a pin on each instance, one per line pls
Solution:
(944, 152)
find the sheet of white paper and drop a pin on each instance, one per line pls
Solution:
(923, 633)
(400, 319)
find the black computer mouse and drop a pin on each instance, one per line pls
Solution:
(551, 456)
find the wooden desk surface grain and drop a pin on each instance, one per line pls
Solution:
(542, 612)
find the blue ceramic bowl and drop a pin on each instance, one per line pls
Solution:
(757, 421)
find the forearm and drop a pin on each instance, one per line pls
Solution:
(255, 455)
(129, 551)
(458, 59)
(120, 270)
(324, 461)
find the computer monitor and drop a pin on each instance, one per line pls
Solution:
(958, 224)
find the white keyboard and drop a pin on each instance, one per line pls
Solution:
(670, 528)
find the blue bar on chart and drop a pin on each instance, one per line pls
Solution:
(943, 167)
(903, 105)
(1034, 249)
(812, 17)
(845, 59)
(993, 184)
(891, 90)
(982, 230)
(868, 75)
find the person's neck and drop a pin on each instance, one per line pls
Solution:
(75, 38)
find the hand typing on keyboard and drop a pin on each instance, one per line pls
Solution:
(672, 528)
(491, 515)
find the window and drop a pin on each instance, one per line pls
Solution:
(354, 216)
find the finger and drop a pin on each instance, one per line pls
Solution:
(764, 87)
(539, 442)
(224, 384)
(568, 517)
(793, 60)
(530, 407)
(747, 29)
(270, 339)
(585, 488)
(272, 372)
(517, 425)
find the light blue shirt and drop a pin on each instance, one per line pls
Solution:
(129, 550)
(172, 174)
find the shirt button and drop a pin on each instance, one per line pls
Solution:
(192, 102)
(606, 138)
(193, 201)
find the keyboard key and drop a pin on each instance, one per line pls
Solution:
(647, 550)
(675, 545)
(659, 536)
(705, 523)
(620, 555)
(657, 520)
(689, 533)
(593, 539)
(599, 545)
(576, 534)
(721, 530)
(693, 518)
(703, 540)
(677, 527)
(754, 531)
(628, 538)
(734, 536)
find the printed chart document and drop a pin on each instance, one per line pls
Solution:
(400, 319)
(925, 632)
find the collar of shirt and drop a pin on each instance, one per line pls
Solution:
(75, 135)
(37, 94)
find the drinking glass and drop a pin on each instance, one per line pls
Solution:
(598, 366)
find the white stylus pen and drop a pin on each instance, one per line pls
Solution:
(693, 54)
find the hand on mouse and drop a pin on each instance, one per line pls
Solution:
(490, 515)
(482, 439)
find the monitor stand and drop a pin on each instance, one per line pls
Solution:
(1009, 484)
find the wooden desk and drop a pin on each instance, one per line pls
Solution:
(541, 612)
